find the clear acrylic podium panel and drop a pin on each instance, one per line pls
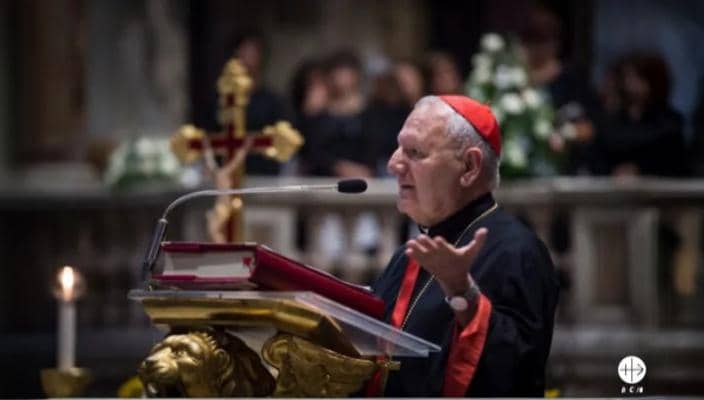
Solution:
(369, 336)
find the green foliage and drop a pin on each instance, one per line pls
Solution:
(142, 162)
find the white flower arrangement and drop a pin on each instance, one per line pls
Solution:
(525, 114)
(492, 43)
(140, 161)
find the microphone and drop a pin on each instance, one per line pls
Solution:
(352, 186)
(342, 186)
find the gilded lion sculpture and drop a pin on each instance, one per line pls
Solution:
(204, 364)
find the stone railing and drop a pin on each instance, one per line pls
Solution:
(629, 248)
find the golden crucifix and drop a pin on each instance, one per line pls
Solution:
(279, 141)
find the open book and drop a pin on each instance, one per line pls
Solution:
(247, 266)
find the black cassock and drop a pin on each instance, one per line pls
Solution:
(515, 273)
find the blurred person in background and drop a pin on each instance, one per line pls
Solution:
(410, 81)
(309, 89)
(309, 100)
(696, 151)
(568, 90)
(384, 116)
(640, 133)
(265, 107)
(337, 143)
(443, 74)
(567, 85)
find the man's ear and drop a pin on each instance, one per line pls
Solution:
(472, 158)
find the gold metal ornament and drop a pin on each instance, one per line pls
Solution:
(285, 315)
(204, 364)
(181, 143)
(309, 370)
(70, 382)
(285, 141)
(131, 388)
(234, 81)
(232, 144)
(313, 355)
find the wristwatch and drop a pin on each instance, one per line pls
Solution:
(461, 302)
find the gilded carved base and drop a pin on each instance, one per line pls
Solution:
(218, 364)
(308, 370)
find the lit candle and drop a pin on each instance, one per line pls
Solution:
(67, 292)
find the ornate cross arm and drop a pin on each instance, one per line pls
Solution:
(285, 141)
(279, 142)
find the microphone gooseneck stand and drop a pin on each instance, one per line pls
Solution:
(343, 186)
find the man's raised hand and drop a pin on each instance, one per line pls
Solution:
(448, 263)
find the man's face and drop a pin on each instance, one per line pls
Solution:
(427, 167)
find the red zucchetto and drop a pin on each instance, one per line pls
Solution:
(480, 116)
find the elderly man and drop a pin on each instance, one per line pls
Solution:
(476, 281)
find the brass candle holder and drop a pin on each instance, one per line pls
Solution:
(66, 380)
(70, 382)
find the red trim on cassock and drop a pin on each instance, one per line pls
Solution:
(410, 276)
(465, 351)
(405, 293)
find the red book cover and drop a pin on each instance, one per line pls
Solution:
(270, 271)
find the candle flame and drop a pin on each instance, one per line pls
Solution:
(69, 284)
(67, 278)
